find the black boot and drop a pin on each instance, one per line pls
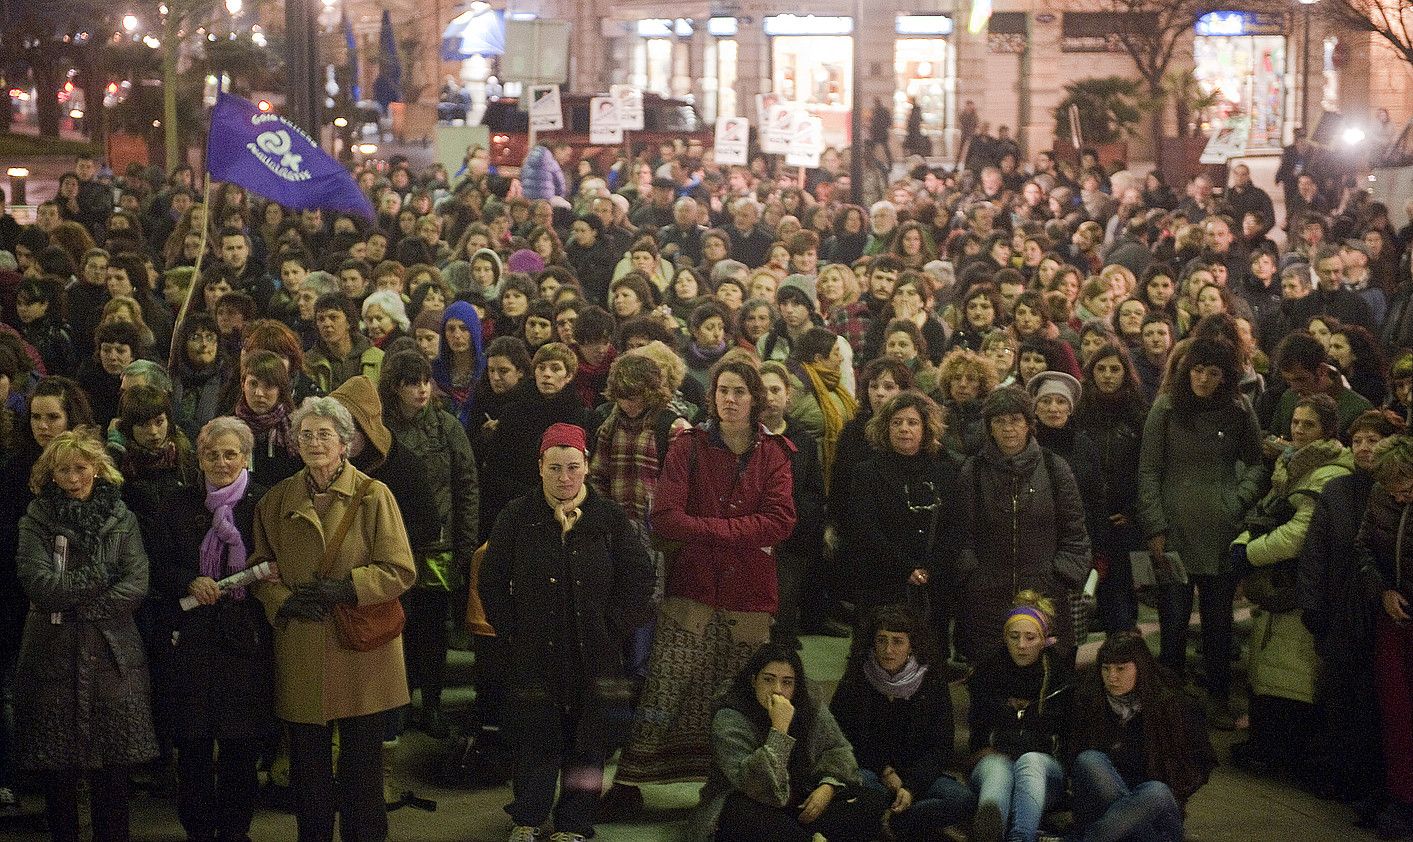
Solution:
(433, 725)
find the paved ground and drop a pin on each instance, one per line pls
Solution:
(1233, 806)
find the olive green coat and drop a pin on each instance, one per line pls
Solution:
(316, 679)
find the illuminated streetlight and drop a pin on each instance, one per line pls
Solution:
(366, 148)
(130, 23)
(1353, 136)
(340, 122)
(234, 6)
(152, 41)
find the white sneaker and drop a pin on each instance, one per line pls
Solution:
(525, 833)
(564, 836)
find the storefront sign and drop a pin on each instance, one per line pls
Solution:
(922, 25)
(732, 134)
(1099, 32)
(808, 25)
(603, 121)
(546, 115)
(630, 106)
(722, 27)
(664, 28)
(1240, 23)
(806, 141)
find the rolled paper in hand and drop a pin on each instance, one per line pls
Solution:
(262, 572)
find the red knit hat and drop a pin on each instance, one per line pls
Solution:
(564, 435)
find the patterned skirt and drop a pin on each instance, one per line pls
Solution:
(696, 653)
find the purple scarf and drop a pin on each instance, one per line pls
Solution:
(220, 502)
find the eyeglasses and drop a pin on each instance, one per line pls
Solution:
(321, 436)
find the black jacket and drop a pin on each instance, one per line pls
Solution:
(513, 452)
(1039, 716)
(223, 679)
(900, 519)
(565, 603)
(1334, 605)
(808, 490)
(915, 736)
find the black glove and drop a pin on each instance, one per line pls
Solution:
(331, 592)
(302, 605)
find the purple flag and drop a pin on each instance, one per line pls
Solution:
(272, 157)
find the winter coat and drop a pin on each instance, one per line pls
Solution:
(1025, 530)
(54, 341)
(1330, 595)
(807, 487)
(449, 472)
(513, 450)
(329, 374)
(898, 521)
(729, 512)
(1126, 744)
(1117, 433)
(1079, 452)
(995, 723)
(541, 176)
(1283, 660)
(1379, 545)
(82, 697)
(915, 736)
(317, 679)
(196, 396)
(1199, 471)
(755, 761)
(566, 603)
(224, 656)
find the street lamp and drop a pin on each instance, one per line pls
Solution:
(1307, 5)
(18, 176)
(130, 23)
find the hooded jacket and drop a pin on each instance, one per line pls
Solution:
(442, 368)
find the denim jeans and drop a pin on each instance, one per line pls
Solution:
(1214, 602)
(1109, 811)
(1018, 790)
(945, 803)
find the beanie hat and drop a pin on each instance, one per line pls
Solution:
(804, 283)
(564, 435)
(1055, 383)
(428, 320)
(525, 261)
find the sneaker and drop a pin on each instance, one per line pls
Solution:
(525, 833)
(565, 836)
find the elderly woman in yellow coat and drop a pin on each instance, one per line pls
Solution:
(320, 683)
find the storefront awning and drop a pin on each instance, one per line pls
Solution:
(478, 32)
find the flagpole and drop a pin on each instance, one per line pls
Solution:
(196, 277)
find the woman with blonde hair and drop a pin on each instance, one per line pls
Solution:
(964, 379)
(836, 286)
(82, 697)
(124, 308)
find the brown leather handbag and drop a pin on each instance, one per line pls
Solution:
(361, 628)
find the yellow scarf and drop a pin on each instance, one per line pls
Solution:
(827, 389)
(568, 512)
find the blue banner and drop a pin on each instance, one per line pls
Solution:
(271, 157)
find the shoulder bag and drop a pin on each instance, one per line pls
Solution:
(361, 628)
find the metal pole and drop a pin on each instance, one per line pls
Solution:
(1305, 73)
(301, 61)
(856, 121)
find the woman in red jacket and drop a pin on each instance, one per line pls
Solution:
(724, 498)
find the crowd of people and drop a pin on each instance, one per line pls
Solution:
(641, 430)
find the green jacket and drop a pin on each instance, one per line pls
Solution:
(1283, 659)
(441, 443)
(330, 373)
(1350, 403)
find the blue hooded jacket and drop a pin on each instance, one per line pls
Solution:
(441, 366)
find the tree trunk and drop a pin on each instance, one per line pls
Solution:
(95, 113)
(1155, 121)
(46, 92)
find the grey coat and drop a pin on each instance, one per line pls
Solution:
(1198, 473)
(756, 761)
(1026, 531)
(82, 697)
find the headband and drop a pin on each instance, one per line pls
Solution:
(1024, 614)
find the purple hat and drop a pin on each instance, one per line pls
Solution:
(525, 261)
